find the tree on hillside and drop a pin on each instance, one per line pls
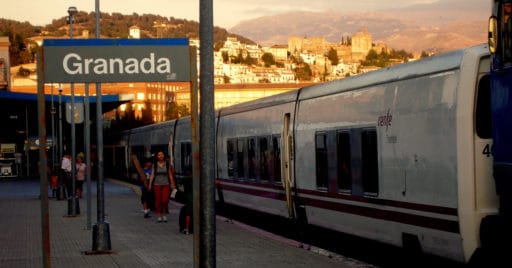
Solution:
(268, 59)
(115, 25)
(303, 72)
(225, 57)
(332, 55)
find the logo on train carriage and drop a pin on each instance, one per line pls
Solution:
(385, 120)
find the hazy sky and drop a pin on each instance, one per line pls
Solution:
(226, 12)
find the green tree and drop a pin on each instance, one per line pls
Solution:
(332, 55)
(227, 79)
(218, 45)
(183, 110)
(374, 59)
(296, 60)
(268, 59)
(402, 55)
(175, 111)
(24, 72)
(303, 72)
(225, 57)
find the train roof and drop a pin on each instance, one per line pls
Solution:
(152, 126)
(273, 100)
(426, 66)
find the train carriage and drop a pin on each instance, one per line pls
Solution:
(401, 155)
(396, 155)
(249, 152)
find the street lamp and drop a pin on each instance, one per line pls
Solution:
(71, 11)
(73, 205)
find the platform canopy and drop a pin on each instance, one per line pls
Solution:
(19, 110)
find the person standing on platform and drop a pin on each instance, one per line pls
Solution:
(162, 181)
(146, 197)
(81, 169)
(65, 168)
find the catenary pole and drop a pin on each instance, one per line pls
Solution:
(101, 230)
(72, 200)
(87, 130)
(207, 136)
(43, 160)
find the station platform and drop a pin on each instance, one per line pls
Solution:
(136, 241)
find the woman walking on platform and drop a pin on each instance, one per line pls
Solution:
(81, 169)
(162, 181)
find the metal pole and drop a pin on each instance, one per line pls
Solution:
(196, 169)
(27, 148)
(87, 130)
(101, 230)
(72, 201)
(52, 112)
(60, 122)
(207, 135)
(41, 105)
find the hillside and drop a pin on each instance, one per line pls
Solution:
(113, 25)
(425, 27)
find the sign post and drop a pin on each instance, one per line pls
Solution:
(112, 60)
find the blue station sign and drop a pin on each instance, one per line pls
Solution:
(116, 60)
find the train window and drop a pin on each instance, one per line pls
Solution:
(343, 165)
(231, 149)
(240, 158)
(251, 155)
(264, 158)
(370, 173)
(483, 109)
(186, 158)
(321, 160)
(276, 156)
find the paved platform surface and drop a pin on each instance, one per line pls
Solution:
(136, 242)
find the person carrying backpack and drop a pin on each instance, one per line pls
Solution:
(162, 182)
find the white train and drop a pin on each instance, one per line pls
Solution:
(401, 155)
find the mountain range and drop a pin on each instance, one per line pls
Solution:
(438, 26)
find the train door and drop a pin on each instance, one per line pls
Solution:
(286, 176)
(486, 198)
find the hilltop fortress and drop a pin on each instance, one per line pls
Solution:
(349, 50)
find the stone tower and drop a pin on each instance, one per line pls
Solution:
(361, 44)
